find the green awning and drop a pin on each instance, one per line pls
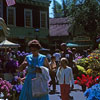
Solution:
(80, 44)
(72, 45)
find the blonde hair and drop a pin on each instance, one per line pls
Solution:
(65, 60)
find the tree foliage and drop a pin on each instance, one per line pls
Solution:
(57, 9)
(84, 14)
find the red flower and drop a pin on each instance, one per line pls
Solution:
(96, 57)
(97, 79)
(85, 80)
(76, 82)
(79, 78)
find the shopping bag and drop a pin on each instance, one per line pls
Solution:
(39, 87)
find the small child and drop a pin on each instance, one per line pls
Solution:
(64, 76)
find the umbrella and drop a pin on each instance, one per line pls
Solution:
(7, 44)
(44, 49)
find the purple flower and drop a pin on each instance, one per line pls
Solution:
(79, 57)
(26, 54)
(12, 65)
(17, 88)
(16, 78)
(20, 87)
(18, 52)
(23, 53)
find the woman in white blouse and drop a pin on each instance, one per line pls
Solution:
(65, 76)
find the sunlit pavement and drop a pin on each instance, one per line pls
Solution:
(76, 93)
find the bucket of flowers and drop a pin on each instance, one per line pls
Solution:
(16, 91)
(5, 89)
(10, 69)
(17, 87)
(84, 81)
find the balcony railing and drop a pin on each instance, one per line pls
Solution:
(40, 1)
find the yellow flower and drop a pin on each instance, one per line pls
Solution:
(89, 71)
(90, 57)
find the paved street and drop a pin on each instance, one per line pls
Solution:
(76, 93)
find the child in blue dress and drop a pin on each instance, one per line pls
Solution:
(32, 61)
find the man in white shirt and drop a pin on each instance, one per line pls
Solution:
(57, 56)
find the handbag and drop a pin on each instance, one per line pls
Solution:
(39, 87)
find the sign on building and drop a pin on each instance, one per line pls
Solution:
(81, 38)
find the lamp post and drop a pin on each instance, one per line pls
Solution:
(36, 31)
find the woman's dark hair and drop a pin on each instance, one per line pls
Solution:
(53, 57)
(34, 43)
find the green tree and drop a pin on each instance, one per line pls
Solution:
(57, 9)
(61, 10)
(85, 14)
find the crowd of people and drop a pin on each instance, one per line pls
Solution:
(61, 67)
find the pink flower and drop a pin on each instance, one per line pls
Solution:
(3, 83)
(8, 94)
(2, 88)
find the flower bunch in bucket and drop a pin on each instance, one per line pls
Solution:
(5, 88)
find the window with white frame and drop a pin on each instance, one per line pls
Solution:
(43, 19)
(1, 8)
(28, 17)
(11, 16)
